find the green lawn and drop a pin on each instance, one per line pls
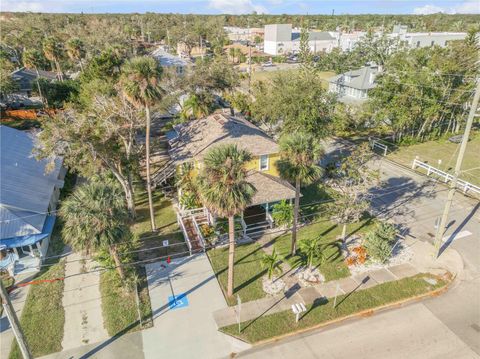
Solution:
(281, 323)
(333, 266)
(119, 306)
(43, 313)
(248, 271)
(444, 150)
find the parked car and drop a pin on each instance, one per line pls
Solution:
(268, 64)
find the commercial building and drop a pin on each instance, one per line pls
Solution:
(425, 39)
(281, 39)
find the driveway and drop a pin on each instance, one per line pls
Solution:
(185, 329)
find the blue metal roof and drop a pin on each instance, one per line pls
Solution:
(31, 239)
(25, 186)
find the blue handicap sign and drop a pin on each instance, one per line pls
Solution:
(178, 301)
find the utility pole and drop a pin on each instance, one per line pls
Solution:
(249, 58)
(458, 165)
(14, 323)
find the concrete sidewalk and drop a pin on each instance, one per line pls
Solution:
(82, 303)
(422, 262)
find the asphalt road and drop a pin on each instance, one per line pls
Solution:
(447, 326)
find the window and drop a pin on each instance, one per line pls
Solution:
(418, 43)
(432, 43)
(263, 162)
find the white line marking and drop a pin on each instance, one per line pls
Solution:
(458, 235)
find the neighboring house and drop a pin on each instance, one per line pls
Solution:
(280, 39)
(165, 59)
(28, 198)
(348, 41)
(241, 34)
(189, 142)
(353, 86)
(26, 78)
(425, 39)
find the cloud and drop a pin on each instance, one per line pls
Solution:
(236, 7)
(24, 6)
(427, 9)
(467, 7)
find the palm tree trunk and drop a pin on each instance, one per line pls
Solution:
(295, 216)
(118, 263)
(231, 254)
(147, 160)
(39, 87)
(59, 70)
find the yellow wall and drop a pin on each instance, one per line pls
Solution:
(254, 165)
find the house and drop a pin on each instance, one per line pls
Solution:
(189, 142)
(167, 60)
(280, 39)
(425, 39)
(243, 34)
(353, 86)
(347, 41)
(28, 197)
(26, 79)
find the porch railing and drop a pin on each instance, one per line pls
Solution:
(185, 234)
(199, 232)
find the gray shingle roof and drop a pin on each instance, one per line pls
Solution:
(25, 187)
(269, 188)
(359, 79)
(197, 136)
(31, 74)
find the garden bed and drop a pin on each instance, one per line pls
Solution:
(283, 323)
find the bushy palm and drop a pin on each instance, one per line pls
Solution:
(53, 52)
(95, 219)
(271, 262)
(140, 84)
(225, 191)
(312, 250)
(76, 50)
(300, 155)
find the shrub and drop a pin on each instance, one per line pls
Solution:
(283, 213)
(379, 242)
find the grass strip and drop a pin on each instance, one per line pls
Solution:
(43, 316)
(277, 324)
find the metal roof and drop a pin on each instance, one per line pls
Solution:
(25, 187)
(358, 79)
(166, 59)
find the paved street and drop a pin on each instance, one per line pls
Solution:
(447, 326)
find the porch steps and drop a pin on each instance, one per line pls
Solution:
(192, 234)
(256, 230)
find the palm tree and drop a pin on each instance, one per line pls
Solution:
(312, 249)
(300, 154)
(31, 60)
(225, 191)
(272, 263)
(140, 85)
(53, 52)
(76, 51)
(195, 107)
(95, 218)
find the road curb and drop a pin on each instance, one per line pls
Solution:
(359, 315)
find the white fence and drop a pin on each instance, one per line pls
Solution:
(461, 184)
(185, 234)
(375, 144)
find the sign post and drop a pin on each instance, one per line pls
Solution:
(336, 294)
(238, 313)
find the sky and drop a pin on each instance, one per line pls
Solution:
(235, 7)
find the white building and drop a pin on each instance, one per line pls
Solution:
(353, 86)
(282, 39)
(347, 41)
(425, 39)
(165, 59)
